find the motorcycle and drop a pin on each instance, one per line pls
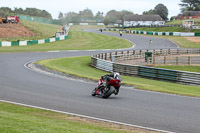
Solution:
(105, 88)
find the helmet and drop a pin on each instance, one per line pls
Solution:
(117, 75)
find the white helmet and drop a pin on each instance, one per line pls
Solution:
(116, 75)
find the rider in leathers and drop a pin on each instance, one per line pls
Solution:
(107, 78)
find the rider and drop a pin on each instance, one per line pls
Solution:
(108, 77)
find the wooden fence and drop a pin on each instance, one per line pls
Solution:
(105, 61)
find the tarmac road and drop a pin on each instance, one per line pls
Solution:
(143, 108)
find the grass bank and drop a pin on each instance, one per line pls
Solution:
(20, 119)
(40, 30)
(79, 66)
(78, 40)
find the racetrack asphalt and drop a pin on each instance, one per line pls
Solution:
(143, 108)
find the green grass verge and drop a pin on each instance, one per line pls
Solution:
(79, 66)
(182, 41)
(164, 29)
(40, 30)
(78, 40)
(183, 68)
(20, 119)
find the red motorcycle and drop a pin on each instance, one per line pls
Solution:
(106, 88)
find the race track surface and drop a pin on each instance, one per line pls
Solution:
(143, 108)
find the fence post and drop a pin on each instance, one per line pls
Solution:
(154, 60)
(177, 51)
(165, 59)
(116, 53)
(169, 52)
(189, 60)
(110, 55)
(105, 56)
(102, 56)
(160, 51)
(134, 52)
(176, 60)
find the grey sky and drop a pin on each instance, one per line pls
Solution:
(56, 6)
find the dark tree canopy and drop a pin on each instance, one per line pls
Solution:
(6, 11)
(114, 15)
(86, 13)
(190, 5)
(159, 9)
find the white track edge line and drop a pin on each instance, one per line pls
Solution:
(148, 91)
(84, 116)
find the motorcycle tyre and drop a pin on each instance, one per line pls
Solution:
(109, 92)
(94, 92)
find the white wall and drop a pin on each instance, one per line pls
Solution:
(148, 23)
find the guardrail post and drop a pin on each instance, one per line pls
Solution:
(154, 60)
(105, 56)
(161, 52)
(169, 52)
(116, 53)
(176, 60)
(102, 56)
(134, 52)
(122, 53)
(165, 59)
(98, 55)
(177, 51)
(110, 55)
(189, 60)
(113, 58)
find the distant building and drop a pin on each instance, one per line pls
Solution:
(142, 20)
(188, 15)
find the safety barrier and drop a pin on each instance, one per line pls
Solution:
(31, 42)
(104, 61)
(157, 33)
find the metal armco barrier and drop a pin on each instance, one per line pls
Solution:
(98, 61)
(158, 33)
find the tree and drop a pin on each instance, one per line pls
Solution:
(150, 12)
(99, 14)
(161, 10)
(189, 5)
(71, 15)
(114, 15)
(86, 13)
(5, 11)
(123, 13)
(60, 16)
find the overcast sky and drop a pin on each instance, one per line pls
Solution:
(56, 6)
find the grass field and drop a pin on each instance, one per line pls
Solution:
(78, 40)
(20, 119)
(79, 66)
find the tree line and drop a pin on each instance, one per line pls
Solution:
(6, 11)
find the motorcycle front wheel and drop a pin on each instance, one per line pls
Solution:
(110, 91)
(94, 92)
